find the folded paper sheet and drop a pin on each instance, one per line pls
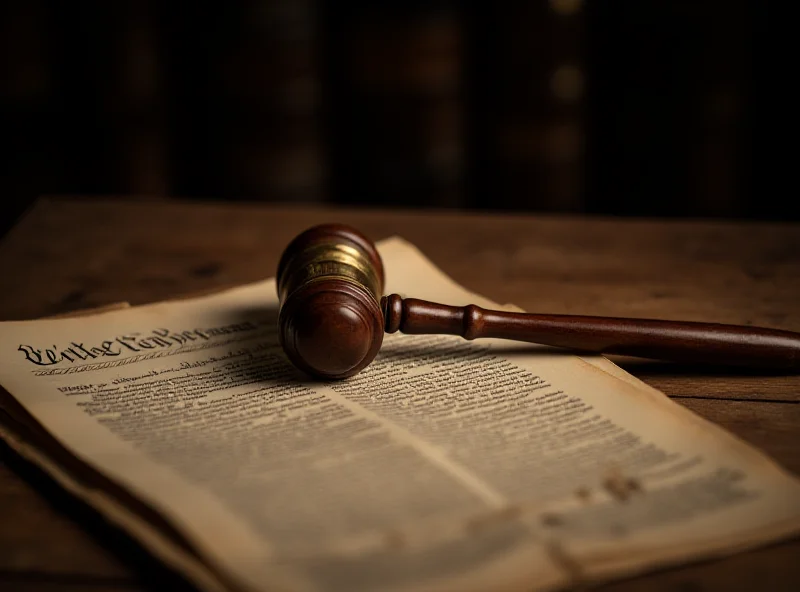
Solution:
(445, 465)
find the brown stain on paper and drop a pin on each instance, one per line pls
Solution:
(551, 520)
(394, 540)
(480, 523)
(621, 488)
(584, 494)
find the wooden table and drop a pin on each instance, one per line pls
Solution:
(72, 253)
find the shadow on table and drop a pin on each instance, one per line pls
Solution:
(656, 368)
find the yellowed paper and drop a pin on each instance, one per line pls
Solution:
(444, 465)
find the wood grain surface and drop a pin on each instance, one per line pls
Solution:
(74, 253)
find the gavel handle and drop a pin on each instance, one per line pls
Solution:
(677, 341)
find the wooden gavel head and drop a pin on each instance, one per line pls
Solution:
(330, 280)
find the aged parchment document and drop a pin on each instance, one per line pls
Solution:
(445, 465)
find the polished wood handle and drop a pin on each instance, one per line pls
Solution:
(678, 341)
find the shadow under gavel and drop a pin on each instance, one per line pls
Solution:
(333, 315)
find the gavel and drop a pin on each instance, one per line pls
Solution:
(333, 316)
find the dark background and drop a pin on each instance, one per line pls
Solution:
(645, 108)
